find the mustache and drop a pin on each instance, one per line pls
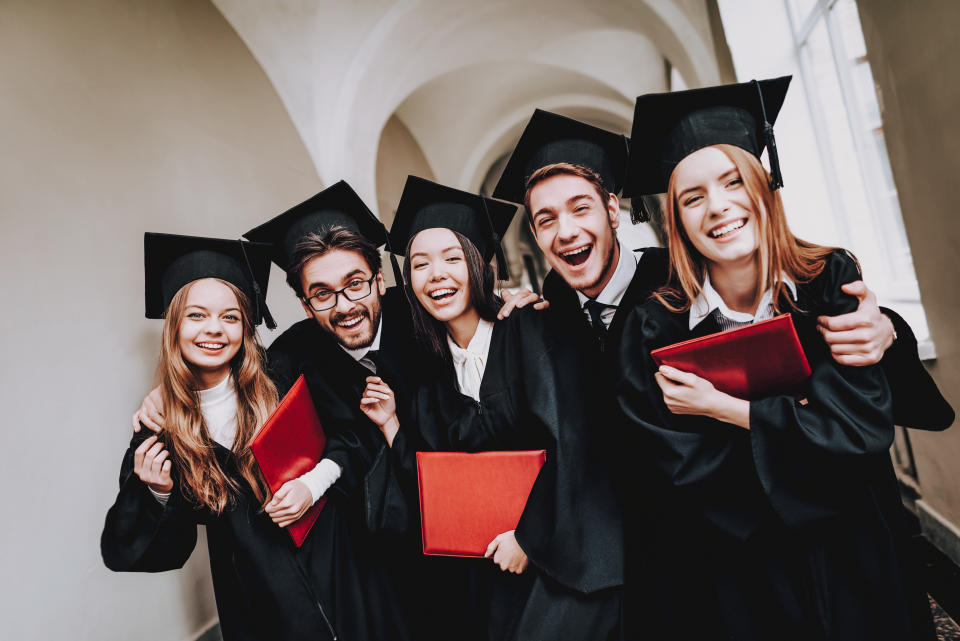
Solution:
(339, 316)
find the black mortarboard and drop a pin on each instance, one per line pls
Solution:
(336, 206)
(550, 138)
(668, 127)
(425, 204)
(170, 261)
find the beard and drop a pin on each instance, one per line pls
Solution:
(357, 341)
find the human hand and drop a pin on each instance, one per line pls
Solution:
(150, 412)
(152, 465)
(380, 406)
(289, 503)
(858, 338)
(687, 393)
(520, 298)
(507, 553)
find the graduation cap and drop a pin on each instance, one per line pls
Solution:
(170, 261)
(425, 204)
(550, 138)
(336, 206)
(668, 127)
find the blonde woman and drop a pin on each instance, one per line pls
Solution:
(200, 469)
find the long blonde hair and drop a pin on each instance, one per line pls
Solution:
(779, 250)
(202, 480)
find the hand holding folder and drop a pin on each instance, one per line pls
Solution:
(749, 362)
(290, 444)
(466, 500)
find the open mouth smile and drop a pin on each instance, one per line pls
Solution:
(727, 228)
(211, 347)
(443, 294)
(350, 322)
(577, 256)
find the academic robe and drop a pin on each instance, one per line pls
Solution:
(531, 397)
(266, 588)
(336, 382)
(791, 529)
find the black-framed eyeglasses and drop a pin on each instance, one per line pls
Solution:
(355, 290)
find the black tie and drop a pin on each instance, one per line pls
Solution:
(369, 360)
(595, 309)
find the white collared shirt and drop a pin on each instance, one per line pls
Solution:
(614, 291)
(470, 363)
(709, 302)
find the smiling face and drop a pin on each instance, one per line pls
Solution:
(439, 275)
(574, 228)
(211, 331)
(714, 208)
(353, 323)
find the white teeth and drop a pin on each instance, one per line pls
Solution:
(211, 345)
(726, 229)
(442, 292)
(575, 251)
(351, 322)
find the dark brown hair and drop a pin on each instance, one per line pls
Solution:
(314, 245)
(480, 279)
(567, 169)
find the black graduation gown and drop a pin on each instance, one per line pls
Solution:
(531, 397)
(336, 382)
(789, 530)
(266, 589)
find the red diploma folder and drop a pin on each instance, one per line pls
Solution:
(749, 362)
(290, 444)
(466, 500)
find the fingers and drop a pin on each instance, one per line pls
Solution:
(844, 322)
(677, 376)
(494, 544)
(856, 288)
(542, 304)
(135, 421)
(508, 306)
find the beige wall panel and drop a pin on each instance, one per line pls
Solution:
(913, 49)
(118, 117)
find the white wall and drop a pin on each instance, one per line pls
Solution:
(119, 116)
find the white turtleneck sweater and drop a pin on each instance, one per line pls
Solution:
(219, 408)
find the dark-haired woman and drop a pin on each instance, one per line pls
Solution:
(200, 469)
(507, 384)
(780, 517)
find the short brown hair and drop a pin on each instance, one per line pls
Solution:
(313, 245)
(568, 169)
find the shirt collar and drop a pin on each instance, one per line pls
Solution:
(360, 352)
(709, 300)
(479, 345)
(613, 293)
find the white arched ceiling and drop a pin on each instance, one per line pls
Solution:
(343, 69)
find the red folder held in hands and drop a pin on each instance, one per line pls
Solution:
(290, 444)
(749, 362)
(466, 500)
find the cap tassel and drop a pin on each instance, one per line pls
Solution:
(503, 273)
(776, 177)
(262, 304)
(638, 210)
(397, 272)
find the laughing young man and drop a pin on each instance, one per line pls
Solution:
(568, 175)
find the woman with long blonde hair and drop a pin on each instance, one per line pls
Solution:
(200, 470)
(777, 517)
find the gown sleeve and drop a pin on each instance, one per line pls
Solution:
(917, 401)
(802, 460)
(142, 535)
(571, 528)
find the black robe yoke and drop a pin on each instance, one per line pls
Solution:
(788, 530)
(266, 589)
(531, 397)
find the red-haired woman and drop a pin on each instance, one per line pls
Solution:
(200, 469)
(777, 518)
